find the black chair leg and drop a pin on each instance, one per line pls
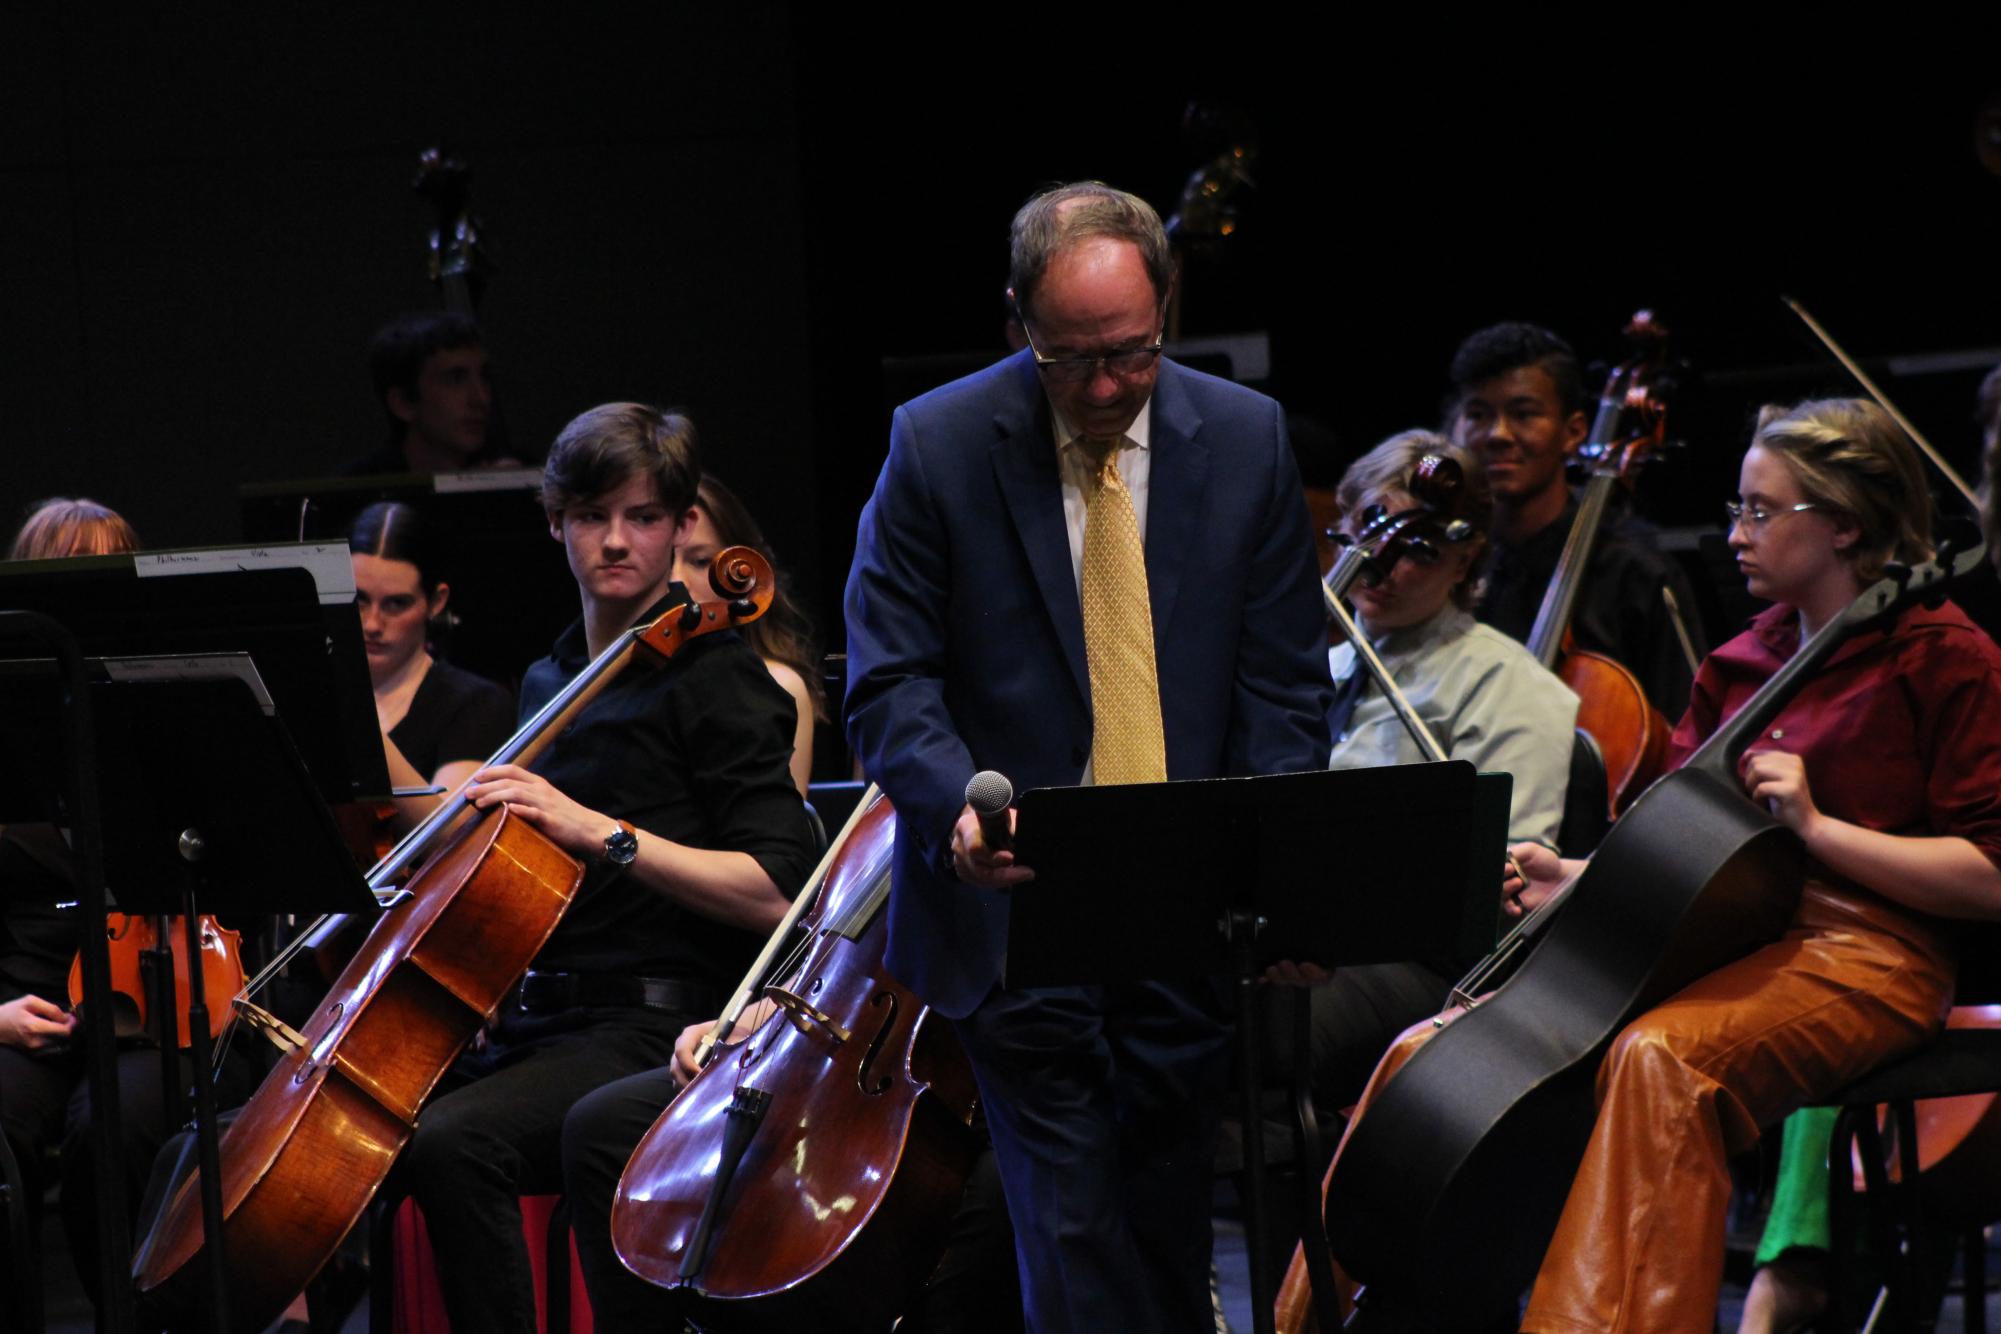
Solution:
(1910, 1301)
(1844, 1310)
(1973, 1275)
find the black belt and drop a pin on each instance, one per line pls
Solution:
(545, 993)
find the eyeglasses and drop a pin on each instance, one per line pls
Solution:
(1755, 516)
(1074, 370)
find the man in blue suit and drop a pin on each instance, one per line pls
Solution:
(967, 650)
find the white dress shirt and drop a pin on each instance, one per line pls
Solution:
(1076, 469)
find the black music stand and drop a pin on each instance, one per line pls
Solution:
(512, 593)
(1205, 878)
(183, 748)
(214, 814)
(305, 640)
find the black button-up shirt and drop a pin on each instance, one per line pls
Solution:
(695, 749)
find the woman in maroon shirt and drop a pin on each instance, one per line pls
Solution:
(1888, 767)
(1887, 764)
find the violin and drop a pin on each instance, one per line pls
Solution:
(851, 1092)
(131, 938)
(1629, 428)
(484, 891)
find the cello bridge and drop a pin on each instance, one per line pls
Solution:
(281, 1034)
(804, 1014)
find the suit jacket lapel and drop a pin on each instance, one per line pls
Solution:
(1025, 467)
(1176, 484)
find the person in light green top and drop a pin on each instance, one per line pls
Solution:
(1482, 697)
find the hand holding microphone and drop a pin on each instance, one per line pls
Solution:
(983, 840)
(989, 794)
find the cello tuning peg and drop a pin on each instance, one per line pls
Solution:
(1899, 571)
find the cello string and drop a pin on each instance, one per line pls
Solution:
(756, 977)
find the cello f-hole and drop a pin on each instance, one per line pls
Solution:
(863, 1079)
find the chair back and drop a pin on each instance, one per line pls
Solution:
(1586, 802)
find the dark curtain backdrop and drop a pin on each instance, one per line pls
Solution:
(744, 209)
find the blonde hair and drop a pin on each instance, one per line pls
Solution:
(72, 527)
(1850, 457)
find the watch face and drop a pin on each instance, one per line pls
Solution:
(621, 846)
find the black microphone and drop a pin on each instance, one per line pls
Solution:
(990, 794)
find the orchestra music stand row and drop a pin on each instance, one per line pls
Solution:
(1193, 880)
(206, 806)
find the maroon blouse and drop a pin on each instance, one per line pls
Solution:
(1900, 730)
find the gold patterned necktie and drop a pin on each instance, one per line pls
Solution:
(1127, 742)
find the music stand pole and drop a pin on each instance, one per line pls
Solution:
(79, 802)
(201, 1055)
(1242, 926)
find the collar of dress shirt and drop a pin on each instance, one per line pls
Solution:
(1139, 433)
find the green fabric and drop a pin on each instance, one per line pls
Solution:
(1799, 1199)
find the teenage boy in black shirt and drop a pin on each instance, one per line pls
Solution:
(673, 788)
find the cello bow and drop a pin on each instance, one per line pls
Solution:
(1882, 400)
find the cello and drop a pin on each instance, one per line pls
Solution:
(805, 1178)
(1499, 1105)
(313, 1145)
(1629, 426)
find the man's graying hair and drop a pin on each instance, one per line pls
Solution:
(1062, 216)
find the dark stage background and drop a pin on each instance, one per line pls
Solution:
(744, 210)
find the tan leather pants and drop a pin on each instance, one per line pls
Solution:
(1854, 982)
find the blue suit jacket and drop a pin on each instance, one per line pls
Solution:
(966, 639)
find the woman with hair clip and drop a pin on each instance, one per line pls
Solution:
(1887, 765)
(783, 637)
(439, 722)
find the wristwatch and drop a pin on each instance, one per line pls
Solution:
(621, 845)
